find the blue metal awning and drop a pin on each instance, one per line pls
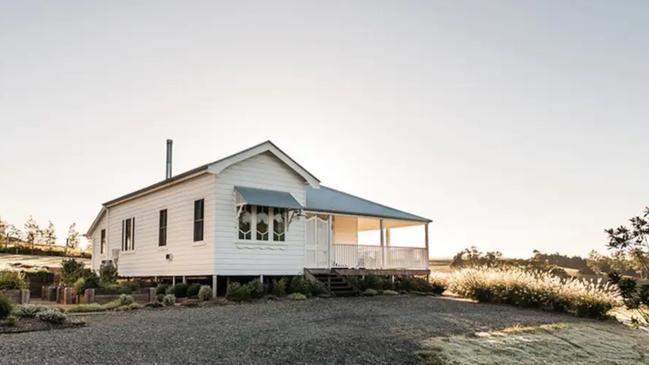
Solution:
(267, 198)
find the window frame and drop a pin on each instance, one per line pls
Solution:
(128, 234)
(271, 225)
(102, 241)
(199, 221)
(162, 229)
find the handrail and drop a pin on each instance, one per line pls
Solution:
(378, 257)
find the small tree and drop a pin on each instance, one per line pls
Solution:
(3, 232)
(32, 232)
(73, 238)
(49, 235)
(13, 233)
(633, 241)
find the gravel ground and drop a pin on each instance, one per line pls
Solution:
(376, 330)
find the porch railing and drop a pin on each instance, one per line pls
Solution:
(377, 257)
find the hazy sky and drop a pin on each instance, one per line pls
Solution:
(513, 125)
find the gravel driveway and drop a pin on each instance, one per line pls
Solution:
(377, 330)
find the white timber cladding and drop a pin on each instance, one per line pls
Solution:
(147, 258)
(243, 257)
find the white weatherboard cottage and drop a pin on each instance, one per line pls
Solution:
(254, 213)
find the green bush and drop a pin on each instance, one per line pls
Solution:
(159, 297)
(300, 284)
(296, 296)
(390, 292)
(192, 290)
(10, 280)
(370, 292)
(84, 308)
(90, 281)
(161, 289)
(28, 310)
(411, 283)
(279, 287)
(644, 294)
(51, 316)
(123, 300)
(136, 284)
(5, 307)
(113, 289)
(71, 271)
(627, 287)
(204, 293)
(256, 289)
(169, 300)
(237, 292)
(107, 273)
(11, 321)
(179, 290)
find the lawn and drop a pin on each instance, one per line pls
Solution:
(587, 342)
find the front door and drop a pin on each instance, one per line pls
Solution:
(318, 236)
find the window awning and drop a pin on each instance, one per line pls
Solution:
(268, 198)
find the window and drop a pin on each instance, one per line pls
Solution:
(162, 230)
(128, 234)
(102, 241)
(263, 223)
(245, 223)
(199, 216)
(279, 224)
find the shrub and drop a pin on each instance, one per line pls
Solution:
(28, 310)
(51, 316)
(161, 289)
(296, 296)
(71, 271)
(614, 277)
(169, 300)
(11, 321)
(123, 300)
(390, 292)
(370, 292)
(586, 270)
(279, 287)
(159, 297)
(139, 283)
(12, 280)
(179, 290)
(534, 289)
(627, 287)
(192, 290)
(5, 307)
(256, 289)
(113, 289)
(107, 273)
(411, 283)
(204, 293)
(84, 308)
(300, 284)
(237, 292)
(644, 294)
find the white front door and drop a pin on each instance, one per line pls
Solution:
(318, 235)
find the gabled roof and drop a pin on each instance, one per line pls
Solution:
(329, 200)
(220, 165)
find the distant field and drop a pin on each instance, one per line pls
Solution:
(11, 261)
(440, 265)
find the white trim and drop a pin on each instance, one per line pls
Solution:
(219, 166)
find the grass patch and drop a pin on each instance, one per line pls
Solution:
(591, 343)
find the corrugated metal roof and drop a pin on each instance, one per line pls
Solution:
(329, 200)
(268, 198)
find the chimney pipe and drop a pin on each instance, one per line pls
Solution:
(169, 148)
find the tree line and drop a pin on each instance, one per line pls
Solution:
(32, 234)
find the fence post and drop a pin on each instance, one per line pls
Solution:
(89, 296)
(152, 295)
(24, 296)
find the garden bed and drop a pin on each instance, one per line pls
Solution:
(32, 324)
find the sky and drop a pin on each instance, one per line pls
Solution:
(513, 125)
